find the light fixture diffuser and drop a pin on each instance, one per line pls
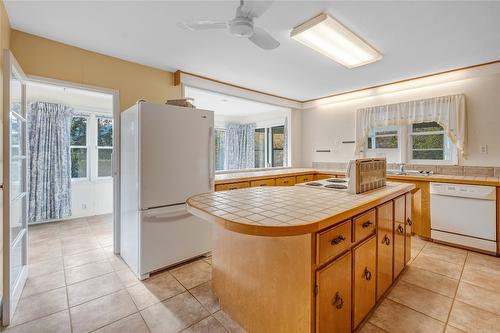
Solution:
(328, 36)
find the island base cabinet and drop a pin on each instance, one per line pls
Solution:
(384, 247)
(333, 301)
(364, 279)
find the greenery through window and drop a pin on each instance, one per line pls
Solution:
(104, 147)
(383, 138)
(78, 147)
(220, 137)
(428, 141)
(277, 134)
(260, 148)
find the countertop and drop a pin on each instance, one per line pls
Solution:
(287, 210)
(262, 174)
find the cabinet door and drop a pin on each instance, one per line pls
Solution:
(305, 178)
(285, 181)
(333, 302)
(409, 223)
(364, 279)
(262, 182)
(232, 186)
(385, 223)
(399, 234)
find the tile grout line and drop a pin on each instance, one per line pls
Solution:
(456, 291)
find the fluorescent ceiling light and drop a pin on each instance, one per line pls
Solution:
(328, 36)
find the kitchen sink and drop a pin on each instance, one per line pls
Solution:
(407, 173)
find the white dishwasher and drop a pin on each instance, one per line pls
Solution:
(464, 215)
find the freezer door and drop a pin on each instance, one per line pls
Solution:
(171, 235)
(176, 154)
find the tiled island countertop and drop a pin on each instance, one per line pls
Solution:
(287, 211)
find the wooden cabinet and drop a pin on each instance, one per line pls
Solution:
(231, 186)
(263, 182)
(320, 176)
(333, 299)
(285, 181)
(332, 242)
(304, 178)
(385, 223)
(364, 279)
(399, 234)
(408, 229)
(364, 225)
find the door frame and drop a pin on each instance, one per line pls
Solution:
(116, 142)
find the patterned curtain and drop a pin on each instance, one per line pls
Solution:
(240, 146)
(49, 161)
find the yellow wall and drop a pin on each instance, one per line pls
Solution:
(43, 57)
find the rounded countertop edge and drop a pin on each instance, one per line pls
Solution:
(294, 230)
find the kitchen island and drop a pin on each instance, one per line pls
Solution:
(299, 259)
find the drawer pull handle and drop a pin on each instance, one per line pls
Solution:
(338, 301)
(409, 222)
(386, 240)
(338, 240)
(367, 274)
(400, 229)
(367, 224)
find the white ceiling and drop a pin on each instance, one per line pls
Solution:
(225, 105)
(415, 37)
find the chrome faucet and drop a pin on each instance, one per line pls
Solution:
(402, 168)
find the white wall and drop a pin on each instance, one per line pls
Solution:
(325, 127)
(89, 196)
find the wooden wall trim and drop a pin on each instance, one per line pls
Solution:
(498, 221)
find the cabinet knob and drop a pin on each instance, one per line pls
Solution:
(400, 229)
(409, 222)
(337, 240)
(367, 274)
(338, 301)
(386, 240)
(367, 224)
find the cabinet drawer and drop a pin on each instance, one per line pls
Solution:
(333, 242)
(399, 248)
(320, 176)
(232, 186)
(285, 181)
(364, 279)
(304, 178)
(262, 182)
(333, 303)
(364, 225)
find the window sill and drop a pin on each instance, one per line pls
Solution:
(222, 172)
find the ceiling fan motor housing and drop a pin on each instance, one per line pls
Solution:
(241, 27)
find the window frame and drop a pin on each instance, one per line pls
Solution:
(98, 148)
(220, 129)
(449, 149)
(373, 136)
(86, 147)
(270, 148)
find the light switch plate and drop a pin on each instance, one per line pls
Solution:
(483, 149)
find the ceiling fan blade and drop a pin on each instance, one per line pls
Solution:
(204, 25)
(263, 39)
(255, 8)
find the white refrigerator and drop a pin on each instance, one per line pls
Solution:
(166, 156)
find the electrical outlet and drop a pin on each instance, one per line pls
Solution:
(84, 206)
(483, 149)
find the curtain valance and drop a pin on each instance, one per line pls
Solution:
(447, 111)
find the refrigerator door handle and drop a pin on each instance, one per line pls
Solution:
(211, 159)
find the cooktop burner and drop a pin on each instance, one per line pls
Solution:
(314, 184)
(336, 186)
(336, 180)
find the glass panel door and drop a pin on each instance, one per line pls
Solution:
(14, 187)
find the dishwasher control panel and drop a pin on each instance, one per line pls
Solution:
(465, 191)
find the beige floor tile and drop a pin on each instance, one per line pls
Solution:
(41, 253)
(482, 276)
(445, 253)
(471, 319)
(174, 314)
(127, 277)
(436, 265)
(131, 324)
(432, 281)
(204, 294)
(117, 262)
(155, 290)
(101, 311)
(394, 317)
(45, 267)
(370, 328)
(73, 224)
(82, 245)
(88, 271)
(193, 274)
(83, 258)
(82, 231)
(42, 283)
(451, 329)
(40, 305)
(422, 300)
(228, 323)
(488, 300)
(479, 259)
(56, 323)
(207, 325)
(93, 288)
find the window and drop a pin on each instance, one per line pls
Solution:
(260, 148)
(428, 141)
(78, 147)
(277, 142)
(104, 146)
(384, 138)
(220, 136)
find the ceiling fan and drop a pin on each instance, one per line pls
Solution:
(242, 24)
